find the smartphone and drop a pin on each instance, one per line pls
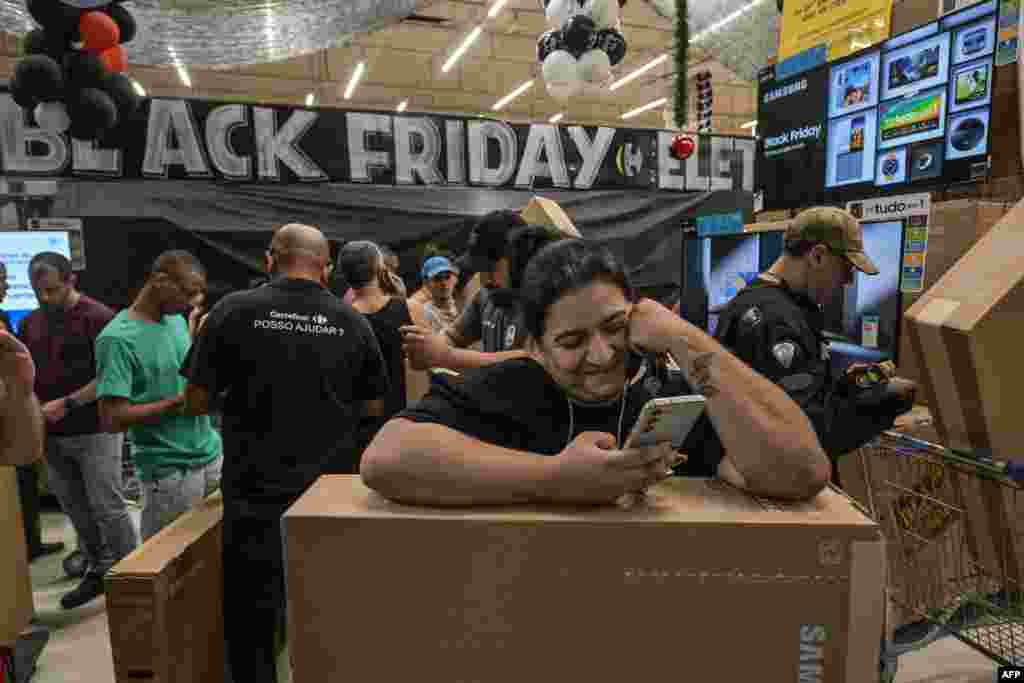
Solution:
(666, 420)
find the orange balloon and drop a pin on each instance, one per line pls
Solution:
(99, 31)
(114, 59)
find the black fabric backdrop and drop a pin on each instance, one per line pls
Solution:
(128, 223)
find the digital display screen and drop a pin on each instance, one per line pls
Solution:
(17, 248)
(911, 112)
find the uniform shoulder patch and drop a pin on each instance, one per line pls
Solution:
(752, 317)
(785, 352)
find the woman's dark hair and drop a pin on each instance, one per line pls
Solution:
(359, 263)
(523, 245)
(564, 267)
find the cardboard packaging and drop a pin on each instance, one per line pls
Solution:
(965, 331)
(700, 582)
(953, 228)
(909, 14)
(541, 211)
(164, 604)
(16, 608)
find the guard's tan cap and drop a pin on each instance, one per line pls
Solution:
(835, 228)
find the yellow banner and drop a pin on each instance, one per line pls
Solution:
(846, 26)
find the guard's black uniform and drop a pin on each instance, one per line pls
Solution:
(779, 333)
(297, 364)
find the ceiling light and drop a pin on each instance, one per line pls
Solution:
(556, 118)
(183, 75)
(461, 50)
(354, 81)
(646, 107)
(138, 88)
(639, 72)
(402, 105)
(310, 98)
(749, 124)
(727, 20)
(495, 8)
(512, 95)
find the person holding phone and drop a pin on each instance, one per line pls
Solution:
(576, 396)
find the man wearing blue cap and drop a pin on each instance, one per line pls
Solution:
(439, 279)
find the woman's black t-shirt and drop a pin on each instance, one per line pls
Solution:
(516, 404)
(385, 324)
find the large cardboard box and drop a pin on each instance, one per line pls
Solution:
(541, 211)
(16, 608)
(164, 604)
(965, 331)
(953, 228)
(701, 582)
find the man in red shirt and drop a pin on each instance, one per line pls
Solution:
(84, 462)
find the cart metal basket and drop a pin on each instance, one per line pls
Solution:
(955, 536)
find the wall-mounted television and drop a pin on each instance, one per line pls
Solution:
(913, 112)
(17, 248)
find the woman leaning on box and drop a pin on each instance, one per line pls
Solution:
(577, 396)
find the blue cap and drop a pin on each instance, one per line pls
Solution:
(435, 265)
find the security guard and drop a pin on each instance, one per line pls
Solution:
(776, 326)
(300, 368)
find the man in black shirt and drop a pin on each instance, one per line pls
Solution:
(499, 248)
(299, 368)
(776, 326)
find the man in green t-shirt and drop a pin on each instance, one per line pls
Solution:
(139, 388)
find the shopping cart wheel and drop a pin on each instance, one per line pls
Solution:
(888, 666)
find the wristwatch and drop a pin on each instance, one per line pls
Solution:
(71, 404)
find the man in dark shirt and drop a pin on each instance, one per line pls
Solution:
(499, 248)
(84, 462)
(299, 368)
(776, 326)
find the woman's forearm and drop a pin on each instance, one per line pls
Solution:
(429, 464)
(764, 432)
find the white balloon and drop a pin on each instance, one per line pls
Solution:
(558, 12)
(52, 116)
(605, 13)
(559, 66)
(595, 67)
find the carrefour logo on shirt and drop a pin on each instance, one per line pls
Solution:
(296, 322)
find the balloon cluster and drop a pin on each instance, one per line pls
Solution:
(583, 43)
(72, 75)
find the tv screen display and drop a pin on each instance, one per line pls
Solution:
(17, 248)
(915, 67)
(911, 119)
(911, 113)
(730, 263)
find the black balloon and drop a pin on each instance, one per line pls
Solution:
(124, 20)
(56, 17)
(548, 43)
(613, 43)
(121, 90)
(41, 77)
(92, 112)
(579, 34)
(84, 69)
(21, 95)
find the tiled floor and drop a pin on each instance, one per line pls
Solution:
(79, 647)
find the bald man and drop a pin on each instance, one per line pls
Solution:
(300, 368)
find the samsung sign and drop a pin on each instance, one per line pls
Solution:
(785, 91)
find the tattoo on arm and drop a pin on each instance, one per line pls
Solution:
(700, 373)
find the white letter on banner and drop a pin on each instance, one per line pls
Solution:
(89, 158)
(165, 116)
(455, 145)
(667, 180)
(15, 137)
(592, 153)
(281, 145)
(543, 137)
(508, 152)
(220, 123)
(423, 163)
(360, 159)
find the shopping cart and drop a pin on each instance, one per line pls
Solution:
(955, 543)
